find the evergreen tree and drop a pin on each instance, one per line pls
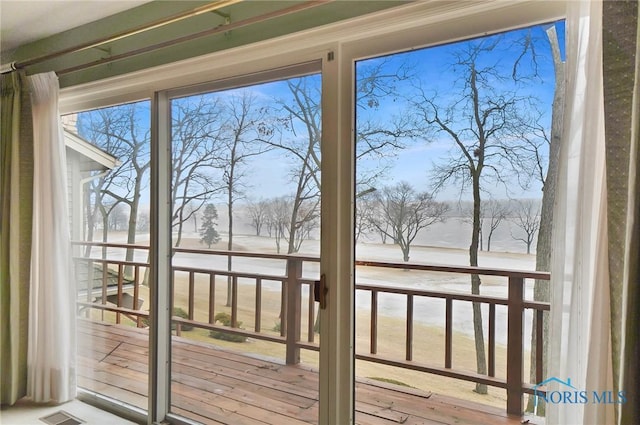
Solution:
(209, 234)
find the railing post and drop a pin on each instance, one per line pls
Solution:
(515, 356)
(293, 311)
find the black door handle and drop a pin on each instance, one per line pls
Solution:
(320, 291)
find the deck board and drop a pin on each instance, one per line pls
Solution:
(215, 386)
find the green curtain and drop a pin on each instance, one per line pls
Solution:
(16, 159)
(621, 48)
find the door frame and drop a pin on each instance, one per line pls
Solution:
(338, 46)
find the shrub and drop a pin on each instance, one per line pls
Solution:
(225, 319)
(177, 311)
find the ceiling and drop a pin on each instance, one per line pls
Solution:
(85, 41)
(25, 21)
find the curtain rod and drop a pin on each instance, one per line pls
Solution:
(211, 7)
(8, 67)
(220, 28)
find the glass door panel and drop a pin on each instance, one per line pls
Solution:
(452, 153)
(246, 242)
(108, 186)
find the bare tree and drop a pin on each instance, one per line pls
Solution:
(98, 206)
(493, 214)
(196, 133)
(379, 140)
(376, 140)
(118, 217)
(549, 179)
(278, 218)
(364, 214)
(245, 136)
(527, 220)
(301, 113)
(123, 132)
(258, 214)
(400, 212)
(144, 221)
(481, 116)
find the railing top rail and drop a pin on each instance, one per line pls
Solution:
(487, 271)
(460, 296)
(110, 244)
(112, 261)
(457, 269)
(247, 254)
(221, 272)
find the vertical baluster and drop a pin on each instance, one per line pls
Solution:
(90, 284)
(234, 302)
(258, 318)
(448, 333)
(192, 285)
(514, 346)
(120, 281)
(105, 278)
(283, 308)
(374, 323)
(136, 292)
(492, 339)
(409, 327)
(312, 315)
(293, 311)
(212, 297)
(539, 345)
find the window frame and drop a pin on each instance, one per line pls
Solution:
(339, 46)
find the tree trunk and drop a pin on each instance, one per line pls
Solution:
(481, 361)
(293, 226)
(179, 235)
(105, 233)
(541, 290)
(229, 241)
(405, 252)
(478, 332)
(91, 220)
(131, 234)
(195, 222)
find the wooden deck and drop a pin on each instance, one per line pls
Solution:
(215, 386)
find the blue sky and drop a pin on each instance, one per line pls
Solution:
(431, 68)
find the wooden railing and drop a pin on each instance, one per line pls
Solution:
(292, 285)
(516, 306)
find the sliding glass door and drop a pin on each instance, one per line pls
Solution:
(245, 235)
(108, 165)
(453, 149)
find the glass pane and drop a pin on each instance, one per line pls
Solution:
(246, 205)
(453, 146)
(108, 183)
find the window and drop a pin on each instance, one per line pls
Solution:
(452, 147)
(108, 182)
(202, 206)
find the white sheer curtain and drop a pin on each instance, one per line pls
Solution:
(580, 347)
(51, 361)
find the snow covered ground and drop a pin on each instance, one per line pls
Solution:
(452, 240)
